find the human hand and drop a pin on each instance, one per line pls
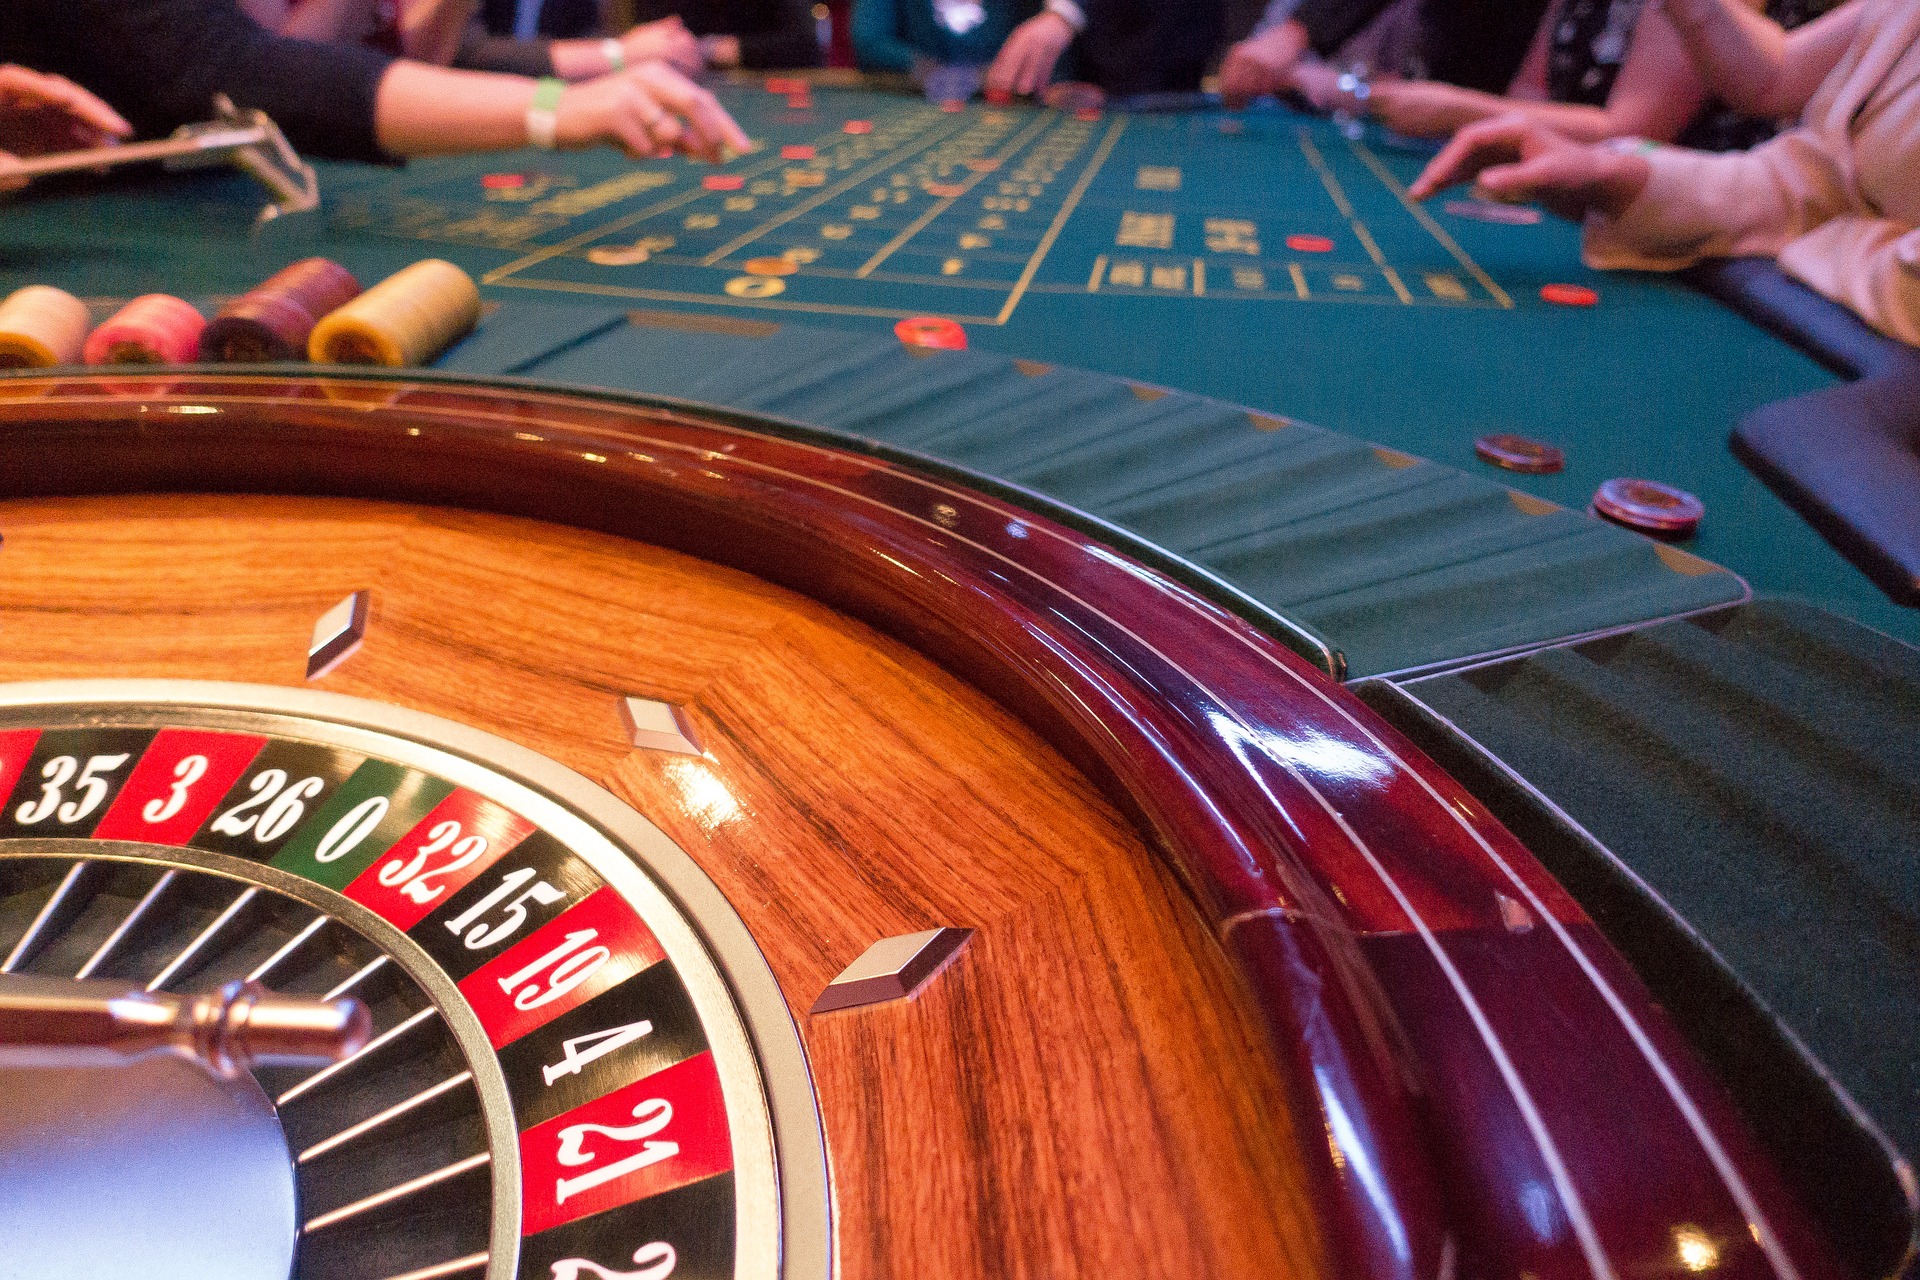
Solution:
(1025, 62)
(1515, 160)
(1424, 108)
(665, 40)
(720, 51)
(41, 114)
(1260, 65)
(649, 111)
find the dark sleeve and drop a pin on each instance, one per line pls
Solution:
(1331, 23)
(480, 51)
(1479, 44)
(1148, 46)
(160, 63)
(787, 40)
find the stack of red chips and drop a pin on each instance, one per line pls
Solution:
(272, 320)
(155, 328)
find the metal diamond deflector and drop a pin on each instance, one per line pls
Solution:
(893, 969)
(658, 726)
(337, 634)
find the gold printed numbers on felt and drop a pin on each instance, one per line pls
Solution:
(1145, 231)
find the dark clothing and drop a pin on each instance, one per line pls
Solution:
(159, 63)
(1587, 48)
(479, 51)
(559, 19)
(1147, 46)
(1478, 44)
(773, 33)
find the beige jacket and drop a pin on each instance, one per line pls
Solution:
(1836, 200)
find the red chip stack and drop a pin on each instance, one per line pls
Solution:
(155, 328)
(273, 320)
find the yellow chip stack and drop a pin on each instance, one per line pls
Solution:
(407, 319)
(41, 327)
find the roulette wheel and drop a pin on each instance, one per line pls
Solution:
(764, 855)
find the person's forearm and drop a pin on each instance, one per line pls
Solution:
(1740, 54)
(422, 110)
(579, 59)
(430, 30)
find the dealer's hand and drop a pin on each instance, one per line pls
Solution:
(1515, 160)
(1026, 61)
(650, 111)
(1260, 65)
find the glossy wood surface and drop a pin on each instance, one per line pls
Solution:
(1478, 1083)
(1083, 1094)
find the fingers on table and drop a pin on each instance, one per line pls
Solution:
(1473, 150)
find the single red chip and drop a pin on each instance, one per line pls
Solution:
(983, 164)
(1570, 295)
(857, 126)
(777, 84)
(952, 106)
(999, 97)
(1518, 453)
(503, 181)
(723, 182)
(1309, 244)
(1087, 114)
(1649, 506)
(945, 190)
(800, 102)
(796, 152)
(936, 332)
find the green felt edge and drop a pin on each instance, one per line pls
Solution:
(1297, 637)
(1595, 610)
(1837, 1159)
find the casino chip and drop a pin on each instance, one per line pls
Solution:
(999, 98)
(771, 266)
(502, 181)
(796, 151)
(857, 126)
(1570, 295)
(723, 182)
(1512, 215)
(932, 332)
(1309, 244)
(1649, 506)
(1518, 453)
(945, 190)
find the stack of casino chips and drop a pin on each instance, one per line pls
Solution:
(405, 320)
(313, 309)
(273, 320)
(155, 328)
(41, 327)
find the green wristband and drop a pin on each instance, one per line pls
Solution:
(541, 122)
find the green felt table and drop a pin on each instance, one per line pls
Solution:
(1153, 248)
